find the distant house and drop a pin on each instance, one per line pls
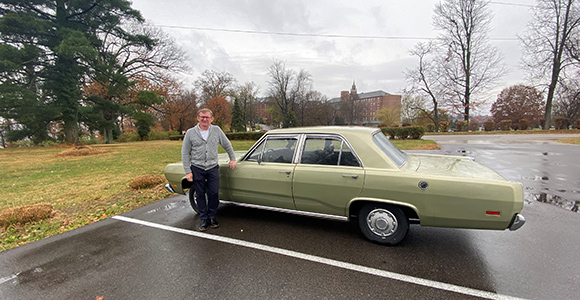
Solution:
(362, 108)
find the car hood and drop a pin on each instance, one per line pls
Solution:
(444, 165)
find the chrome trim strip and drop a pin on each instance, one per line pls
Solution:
(290, 211)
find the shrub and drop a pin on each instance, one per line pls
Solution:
(412, 132)
(29, 143)
(128, 136)
(25, 214)
(146, 181)
(505, 125)
(157, 135)
(430, 127)
(416, 132)
(561, 123)
(474, 126)
(523, 124)
(578, 124)
(489, 125)
(461, 126)
(444, 126)
(252, 136)
(176, 137)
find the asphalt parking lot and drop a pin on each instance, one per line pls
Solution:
(155, 252)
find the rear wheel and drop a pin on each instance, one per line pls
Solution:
(192, 201)
(383, 223)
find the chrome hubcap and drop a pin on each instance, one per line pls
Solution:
(382, 222)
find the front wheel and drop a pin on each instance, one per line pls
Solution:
(192, 201)
(383, 223)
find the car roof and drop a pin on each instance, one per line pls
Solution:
(345, 130)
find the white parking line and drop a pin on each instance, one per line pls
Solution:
(326, 261)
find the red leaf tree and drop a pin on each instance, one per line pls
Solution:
(519, 102)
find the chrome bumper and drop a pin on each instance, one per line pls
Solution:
(169, 188)
(517, 222)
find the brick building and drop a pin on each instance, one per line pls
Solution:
(366, 105)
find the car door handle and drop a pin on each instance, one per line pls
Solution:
(287, 172)
(352, 176)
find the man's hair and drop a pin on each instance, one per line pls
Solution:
(205, 110)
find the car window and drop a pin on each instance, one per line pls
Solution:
(256, 153)
(327, 151)
(275, 149)
(397, 156)
(347, 157)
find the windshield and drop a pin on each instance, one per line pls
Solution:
(396, 155)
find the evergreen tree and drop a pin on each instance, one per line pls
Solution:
(62, 38)
(238, 118)
(144, 120)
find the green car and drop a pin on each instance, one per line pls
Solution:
(345, 173)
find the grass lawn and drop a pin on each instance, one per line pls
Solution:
(573, 141)
(85, 189)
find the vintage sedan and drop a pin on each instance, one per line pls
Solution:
(356, 173)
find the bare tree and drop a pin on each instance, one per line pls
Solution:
(471, 65)
(553, 28)
(180, 111)
(319, 111)
(567, 104)
(411, 105)
(155, 62)
(425, 82)
(312, 109)
(153, 56)
(212, 84)
(246, 94)
(288, 88)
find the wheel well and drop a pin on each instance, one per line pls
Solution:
(356, 206)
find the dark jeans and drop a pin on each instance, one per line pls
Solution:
(206, 182)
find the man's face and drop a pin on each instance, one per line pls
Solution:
(204, 119)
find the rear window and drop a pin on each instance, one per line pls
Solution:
(397, 156)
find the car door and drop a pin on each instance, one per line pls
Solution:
(328, 176)
(264, 176)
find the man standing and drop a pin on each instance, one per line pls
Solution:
(199, 154)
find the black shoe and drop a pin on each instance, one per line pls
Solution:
(204, 225)
(213, 223)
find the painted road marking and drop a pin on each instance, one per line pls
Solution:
(326, 261)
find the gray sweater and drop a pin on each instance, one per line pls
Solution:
(195, 151)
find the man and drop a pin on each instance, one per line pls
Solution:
(199, 154)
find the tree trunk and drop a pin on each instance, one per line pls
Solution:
(108, 136)
(71, 131)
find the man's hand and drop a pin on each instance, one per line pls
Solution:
(189, 176)
(233, 164)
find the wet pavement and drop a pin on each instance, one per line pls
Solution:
(540, 261)
(549, 171)
(155, 252)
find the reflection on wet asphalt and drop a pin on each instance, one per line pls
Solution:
(547, 170)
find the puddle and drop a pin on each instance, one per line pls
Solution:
(556, 200)
(536, 178)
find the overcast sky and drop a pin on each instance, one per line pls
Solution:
(225, 35)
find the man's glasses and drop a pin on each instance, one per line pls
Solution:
(205, 118)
